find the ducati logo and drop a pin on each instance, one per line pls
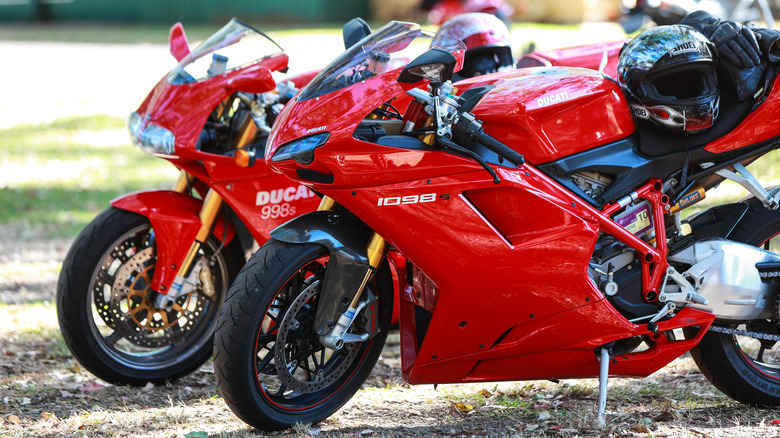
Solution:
(278, 196)
(552, 99)
(317, 129)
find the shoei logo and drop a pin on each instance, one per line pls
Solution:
(639, 112)
(551, 99)
(317, 129)
(689, 46)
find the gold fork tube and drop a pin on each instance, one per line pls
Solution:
(184, 182)
(327, 203)
(208, 213)
(376, 249)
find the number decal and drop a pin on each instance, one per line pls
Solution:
(411, 199)
(275, 211)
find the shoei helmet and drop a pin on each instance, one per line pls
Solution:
(486, 39)
(668, 74)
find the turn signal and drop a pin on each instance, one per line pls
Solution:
(245, 158)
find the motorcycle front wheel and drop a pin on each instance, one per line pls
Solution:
(106, 309)
(745, 368)
(271, 368)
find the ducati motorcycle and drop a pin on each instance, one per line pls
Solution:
(141, 287)
(543, 229)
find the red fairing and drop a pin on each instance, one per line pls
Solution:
(760, 125)
(174, 216)
(591, 56)
(183, 109)
(549, 113)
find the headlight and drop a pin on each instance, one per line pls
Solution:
(301, 150)
(152, 138)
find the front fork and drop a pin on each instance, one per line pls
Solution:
(182, 284)
(376, 249)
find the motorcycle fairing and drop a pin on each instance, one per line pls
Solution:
(345, 236)
(174, 217)
(758, 126)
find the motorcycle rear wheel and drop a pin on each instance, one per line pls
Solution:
(277, 292)
(743, 368)
(106, 310)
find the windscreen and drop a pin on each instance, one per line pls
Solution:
(222, 53)
(388, 48)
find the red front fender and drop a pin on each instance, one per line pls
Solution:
(174, 218)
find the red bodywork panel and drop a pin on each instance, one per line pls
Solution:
(758, 126)
(173, 216)
(549, 113)
(591, 56)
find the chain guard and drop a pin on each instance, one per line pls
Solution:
(131, 311)
(294, 337)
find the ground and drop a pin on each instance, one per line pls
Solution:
(45, 393)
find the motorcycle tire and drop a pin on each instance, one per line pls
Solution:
(281, 278)
(730, 362)
(106, 311)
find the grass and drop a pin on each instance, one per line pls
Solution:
(56, 177)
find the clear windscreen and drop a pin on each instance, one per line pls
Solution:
(222, 53)
(388, 48)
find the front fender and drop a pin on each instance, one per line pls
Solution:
(345, 236)
(175, 220)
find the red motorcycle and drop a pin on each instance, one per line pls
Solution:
(542, 227)
(439, 11)
(140, 290)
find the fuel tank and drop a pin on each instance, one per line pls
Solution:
(551, 112)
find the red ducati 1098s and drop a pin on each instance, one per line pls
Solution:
(541, 223)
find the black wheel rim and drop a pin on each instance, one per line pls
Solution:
(129, 329)
(312, 357)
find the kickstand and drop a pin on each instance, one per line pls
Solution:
(603, 375)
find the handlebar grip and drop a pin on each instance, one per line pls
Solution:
(501, 149)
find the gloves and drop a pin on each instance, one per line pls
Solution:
(736, 44)
(738, 49)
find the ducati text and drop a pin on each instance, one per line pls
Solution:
(552, 98)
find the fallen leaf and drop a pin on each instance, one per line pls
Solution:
(532, 427)
(13, 419)
(66, 394)
(49, 416)
(26, 400)
(197, 434)
(462, 408)
(641, 428)
(775, 422)
(484, 393)
(544, 416)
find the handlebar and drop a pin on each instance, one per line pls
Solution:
(468, 130)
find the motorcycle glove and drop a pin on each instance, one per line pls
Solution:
(738, 50)
(736, 44)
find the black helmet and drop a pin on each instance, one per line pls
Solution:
(668, 74)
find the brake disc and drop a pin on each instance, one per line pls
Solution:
(131, 310)
(302, 363)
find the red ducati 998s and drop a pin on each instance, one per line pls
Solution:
(542, 227)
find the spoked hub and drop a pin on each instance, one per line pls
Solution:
(303, 364)
(131, 310)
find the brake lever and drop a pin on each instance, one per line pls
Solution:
(447, 143)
